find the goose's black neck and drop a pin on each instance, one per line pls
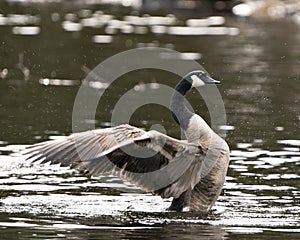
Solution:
(183, 86)
(180, 112)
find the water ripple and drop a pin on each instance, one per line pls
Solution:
(252, 205)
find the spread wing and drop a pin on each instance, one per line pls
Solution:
(151, 160)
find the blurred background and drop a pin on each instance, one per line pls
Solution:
(47, 48)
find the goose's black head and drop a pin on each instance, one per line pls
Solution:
(195, 79)
(199, 78)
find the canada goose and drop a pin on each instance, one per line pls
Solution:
(191, 171)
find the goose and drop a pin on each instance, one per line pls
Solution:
(191, 171)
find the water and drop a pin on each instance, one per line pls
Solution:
(45, 52)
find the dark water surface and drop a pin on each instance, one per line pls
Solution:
(42, 67)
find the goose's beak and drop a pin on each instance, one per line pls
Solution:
(210, 80)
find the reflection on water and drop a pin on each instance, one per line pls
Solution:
(258, 198)
(44, 55)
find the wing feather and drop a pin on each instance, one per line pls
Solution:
(151, 160)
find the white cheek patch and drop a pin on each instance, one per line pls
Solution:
(197, 82)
